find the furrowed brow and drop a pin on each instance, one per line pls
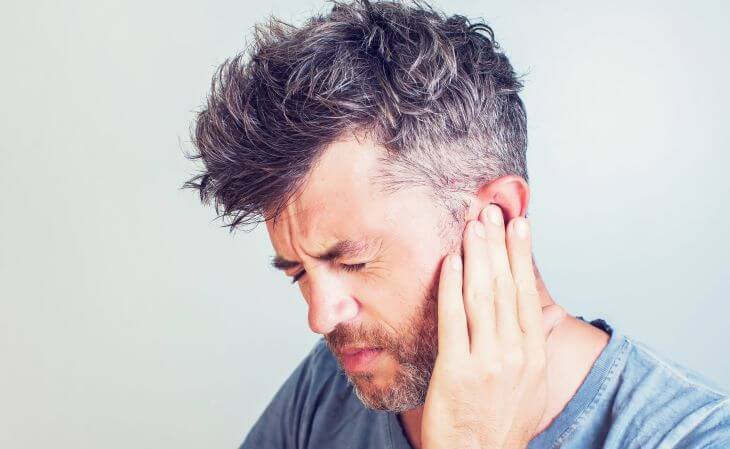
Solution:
(345, 248)
(340, 250)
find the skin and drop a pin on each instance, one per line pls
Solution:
(386, 303)
(488, 389)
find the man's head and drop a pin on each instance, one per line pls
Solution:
(365, 139)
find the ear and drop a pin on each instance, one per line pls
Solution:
(511, 193)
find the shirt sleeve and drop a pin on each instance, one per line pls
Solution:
(713, 432)
(278, 427)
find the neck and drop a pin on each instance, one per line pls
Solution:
(571, 349)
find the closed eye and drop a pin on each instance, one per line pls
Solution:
(353, 267)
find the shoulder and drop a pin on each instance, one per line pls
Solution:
(666, 404)
(647, 360)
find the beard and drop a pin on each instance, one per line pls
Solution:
(414, 350)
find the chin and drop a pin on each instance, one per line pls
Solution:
(391, 390)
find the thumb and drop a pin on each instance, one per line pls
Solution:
(552, 315)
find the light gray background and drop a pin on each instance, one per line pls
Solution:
(129, 319)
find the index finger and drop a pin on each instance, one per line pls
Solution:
(453, 337)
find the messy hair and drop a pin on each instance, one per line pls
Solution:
(434, 90)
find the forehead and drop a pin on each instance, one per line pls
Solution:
(339, 200)
(339, 195)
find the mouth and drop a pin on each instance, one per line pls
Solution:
(360, 359)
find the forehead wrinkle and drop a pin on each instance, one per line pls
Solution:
(346, 248)
(284, 226)
(320, 207)
(296, 220)
(341, 249)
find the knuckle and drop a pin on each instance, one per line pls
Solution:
(456, 376)
(505, 284)
(493, 369)
(463, 378)
(526, 289)
(452, 373)
(536, 363)
(470, 377)
(477, 293)
(514, 358)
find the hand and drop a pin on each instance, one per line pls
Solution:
(488, 388)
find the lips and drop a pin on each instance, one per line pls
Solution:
(359, 359)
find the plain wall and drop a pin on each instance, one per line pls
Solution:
(129, 318)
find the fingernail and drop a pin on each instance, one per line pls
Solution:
(495, 214)
(521, 228)
(455, 262)
(478, 228)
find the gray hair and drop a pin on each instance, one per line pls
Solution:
(433, 90)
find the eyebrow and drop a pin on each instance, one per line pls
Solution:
(341, 249)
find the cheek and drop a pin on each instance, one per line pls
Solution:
(420, 248)
(416, 270)
(421, 266)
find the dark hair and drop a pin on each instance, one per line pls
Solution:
(432, 89)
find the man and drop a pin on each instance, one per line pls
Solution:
(384, 146)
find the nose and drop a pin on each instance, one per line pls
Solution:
(330, 302)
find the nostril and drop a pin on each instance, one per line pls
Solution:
(319, 322)
(347, 309)
(325, 315)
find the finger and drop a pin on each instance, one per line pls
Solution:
(520, 259)
(478, 293)
(505, 303)
(453, 337)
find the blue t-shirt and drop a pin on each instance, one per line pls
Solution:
(631, 398)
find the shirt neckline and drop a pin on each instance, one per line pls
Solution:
(588, 394)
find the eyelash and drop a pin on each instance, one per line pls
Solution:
(353, 267)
